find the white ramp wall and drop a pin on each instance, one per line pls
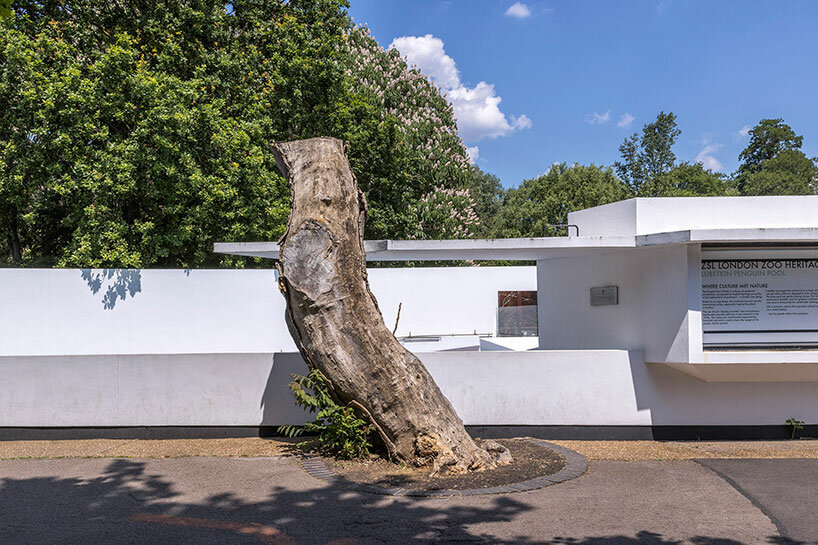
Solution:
(57, 312)
(210, 348)
(192, 347)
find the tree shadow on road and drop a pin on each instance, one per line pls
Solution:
(128, 504)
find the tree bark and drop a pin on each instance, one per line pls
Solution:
(337, 325)
(14, 239)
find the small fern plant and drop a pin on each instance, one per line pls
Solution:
(795, 424)
(340, 432)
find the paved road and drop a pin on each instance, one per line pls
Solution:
(786, 490)
(233, 501)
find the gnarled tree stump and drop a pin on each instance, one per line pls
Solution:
(336, 324)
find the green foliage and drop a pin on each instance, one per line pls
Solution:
(548, 199)
(773, 163)
(488, 194)
(647, 157)
(340, 432)
(140, 130)
(137, 133)
(689, 180)
(403, 142)
(767, 139)
(795, 424)
(649, 167)
(446, 213)
(788, 173)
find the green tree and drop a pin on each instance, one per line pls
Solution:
(135, 134)
(488, 194)
(649, 167)
(648, 156)
(790, 172)
(689, 180)
(767, 139)
(403, 141)
(773, 163)
(547, 199)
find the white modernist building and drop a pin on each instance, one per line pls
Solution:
(722, 288)
(682, 317)
(702, 311)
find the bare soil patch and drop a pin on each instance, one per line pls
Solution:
(146, 448)
(631, 451)
(530, 461)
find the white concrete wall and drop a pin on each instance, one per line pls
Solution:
(210, 348)
(652, 310)
(665, 214)
(54, 312)
(598, 387)
(443, 301)
(617, 218)
(48, 312)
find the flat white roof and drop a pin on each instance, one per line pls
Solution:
(539, 248)
(433, 250)
(645, 216)
(634, 223)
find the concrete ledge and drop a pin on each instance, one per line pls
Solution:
(643, 433)
(579, 433)
(130, 432)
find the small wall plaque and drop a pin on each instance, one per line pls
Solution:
(604, 295)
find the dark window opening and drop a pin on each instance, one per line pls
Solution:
(517, 314)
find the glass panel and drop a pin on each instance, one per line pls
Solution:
(517, 314)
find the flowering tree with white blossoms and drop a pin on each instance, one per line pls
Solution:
(446, 213)
(425, 194)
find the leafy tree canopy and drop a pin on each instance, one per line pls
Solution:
(488, 194)
(649, 155)
(773, 163)
(790, 172)
(768, 139)
(547, 199)
(649, 167)
(137, 133)
(689, 180)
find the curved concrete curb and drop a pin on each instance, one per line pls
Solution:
(575, 465)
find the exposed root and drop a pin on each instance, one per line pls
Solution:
(430, 451)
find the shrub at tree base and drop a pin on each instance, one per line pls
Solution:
(340, 432)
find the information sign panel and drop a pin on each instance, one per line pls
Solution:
(757, 298)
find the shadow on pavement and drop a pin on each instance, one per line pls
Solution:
(126, 504)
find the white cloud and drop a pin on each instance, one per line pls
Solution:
(521, 122)
(473, 153)
(598, 118)
(427, 53)
(745, 131)
(705, 156)
(476, 108)
(625, 120)
(518, 10)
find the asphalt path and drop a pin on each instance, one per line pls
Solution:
(272, 500)
(786, 490)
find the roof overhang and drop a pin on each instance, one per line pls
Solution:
(525, 249)
(513, 249)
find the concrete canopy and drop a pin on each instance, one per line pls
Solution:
(540, 248)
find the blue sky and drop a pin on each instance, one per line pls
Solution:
(570, 75)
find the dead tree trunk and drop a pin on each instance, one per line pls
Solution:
(335, 321)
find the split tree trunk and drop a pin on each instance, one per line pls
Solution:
(335, 321)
